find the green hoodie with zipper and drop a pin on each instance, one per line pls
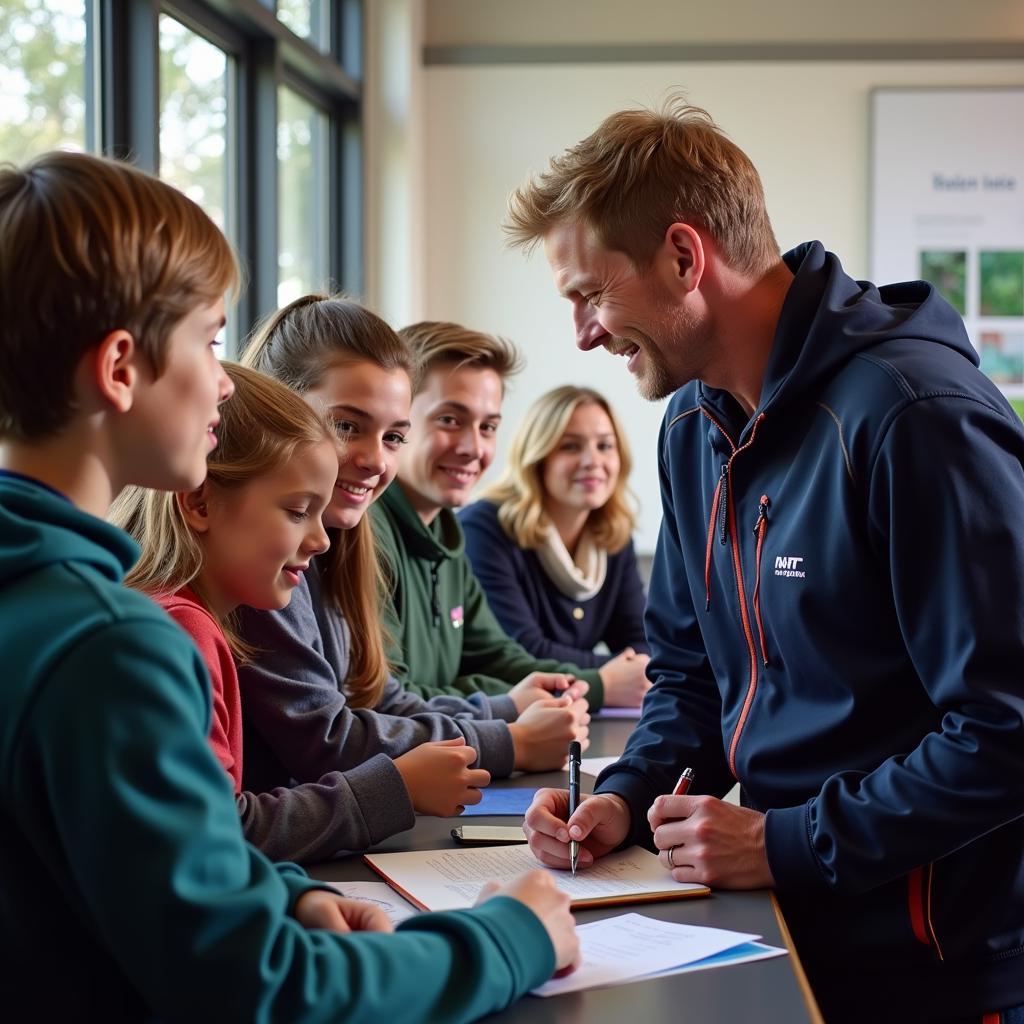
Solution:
(445, 637)
(126, 889)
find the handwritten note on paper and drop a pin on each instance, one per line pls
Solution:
(380, 894)
(619, 949)
(451, 879)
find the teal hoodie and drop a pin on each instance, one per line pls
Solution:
(447, 637)
(126, 888)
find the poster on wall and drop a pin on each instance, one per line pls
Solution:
(947, 205)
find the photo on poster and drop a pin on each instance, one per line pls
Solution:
(1001, 277)
(947, 206)
(947, 270)
(1002, 356)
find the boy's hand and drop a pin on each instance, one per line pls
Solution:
(542, 733)
(538, 891)
(625, 679)
(335, 913)
(711, 842)
(439, 779)
(600, 824)
(541, 685)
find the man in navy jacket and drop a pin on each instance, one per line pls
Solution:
(836, 612)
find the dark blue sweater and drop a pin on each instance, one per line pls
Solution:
(858, 660)
(532, 610)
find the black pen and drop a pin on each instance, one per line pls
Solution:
(575, 752)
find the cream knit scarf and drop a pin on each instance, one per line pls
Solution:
(579, 579)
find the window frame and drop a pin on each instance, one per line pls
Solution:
(263, 53)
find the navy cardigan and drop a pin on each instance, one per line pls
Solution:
(532, 610)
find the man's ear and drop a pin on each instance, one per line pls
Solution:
(115, 369)
(683, 249)
(194, 507)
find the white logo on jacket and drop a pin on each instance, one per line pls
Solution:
(789, 565)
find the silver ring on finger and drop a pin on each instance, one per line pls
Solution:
(671, 862)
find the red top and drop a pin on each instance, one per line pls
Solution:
(226, 725)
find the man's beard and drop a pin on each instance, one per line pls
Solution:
(654, 382)
(690, 342)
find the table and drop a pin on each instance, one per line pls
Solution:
(768, 992)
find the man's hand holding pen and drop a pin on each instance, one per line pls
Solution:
(703, 839)
(711, 842)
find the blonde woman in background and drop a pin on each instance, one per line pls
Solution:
(551, 540)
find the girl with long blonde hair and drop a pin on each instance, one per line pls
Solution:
(551, 542)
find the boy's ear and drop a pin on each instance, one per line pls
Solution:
(115, 369)
(194, 507)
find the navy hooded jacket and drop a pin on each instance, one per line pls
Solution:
(836, 620)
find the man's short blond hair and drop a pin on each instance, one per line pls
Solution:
(643, 170)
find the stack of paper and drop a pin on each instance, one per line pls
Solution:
(635, 948)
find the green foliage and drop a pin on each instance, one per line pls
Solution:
(42, 77)
(1002, 283)
(947, 270)
(1018, 405)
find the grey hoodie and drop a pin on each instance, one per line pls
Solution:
(299, 728)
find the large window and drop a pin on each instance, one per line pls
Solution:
(193, 117)
(43, 94)
(302, 196)
(255, 117)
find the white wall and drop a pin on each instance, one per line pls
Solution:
(395, 122)
(805, 125)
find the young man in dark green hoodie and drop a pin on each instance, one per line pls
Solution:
(122, 867)
(449, 640)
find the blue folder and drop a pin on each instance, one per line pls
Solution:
(510, 802)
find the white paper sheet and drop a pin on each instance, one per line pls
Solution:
(451, 879)
(380, 894)
(627, 947)
(595, 765)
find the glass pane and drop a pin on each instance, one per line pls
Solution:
(302, 196)
(193, 117)
(194, 130)
(306, 18)
(42, 77)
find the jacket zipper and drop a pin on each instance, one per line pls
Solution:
(760, 529)
(723, 497)
(726, 514)
(919, 892)
(435, 601)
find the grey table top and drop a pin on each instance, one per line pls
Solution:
(769, 992)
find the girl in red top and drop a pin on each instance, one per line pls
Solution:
(246, 537)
